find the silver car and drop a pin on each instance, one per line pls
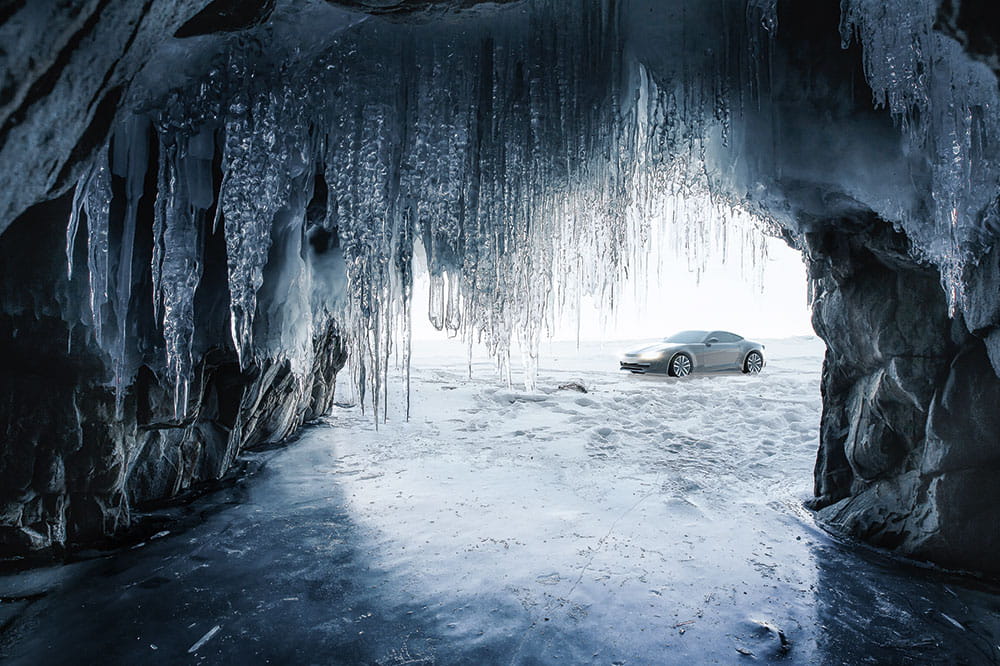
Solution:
(697, 351)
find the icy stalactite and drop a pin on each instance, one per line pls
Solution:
(949, 109)
(97, 205)
(187, 197)
(257, 161)
(73, 228)
(162, 202)
(763, 13)
(129, 158)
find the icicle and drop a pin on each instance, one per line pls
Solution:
(97, 206)
(255, 188)
(436, 306)
(72, 229)
(163, 194)
(130, 159)
(948, 107)
(181, 263)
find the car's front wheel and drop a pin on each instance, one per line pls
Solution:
(753, 363)
(680, 366)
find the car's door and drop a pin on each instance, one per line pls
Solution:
(714, 351)
(730, 350)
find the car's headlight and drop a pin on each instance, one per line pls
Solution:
(650, 356)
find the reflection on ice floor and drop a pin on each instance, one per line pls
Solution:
(649, 520)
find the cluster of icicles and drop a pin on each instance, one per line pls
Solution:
(949, 109)
(529, 173)
(532, 177)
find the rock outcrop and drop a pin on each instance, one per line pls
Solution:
(908, 441)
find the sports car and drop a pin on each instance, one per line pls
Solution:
(696, 351)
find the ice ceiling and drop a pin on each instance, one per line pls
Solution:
(527, 149)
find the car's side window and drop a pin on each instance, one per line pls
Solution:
(726, 337)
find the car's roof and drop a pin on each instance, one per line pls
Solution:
(695, 331)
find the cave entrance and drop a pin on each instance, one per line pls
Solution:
(711, 274)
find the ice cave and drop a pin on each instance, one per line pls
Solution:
(220, 217)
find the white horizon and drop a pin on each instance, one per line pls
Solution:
(771, 304)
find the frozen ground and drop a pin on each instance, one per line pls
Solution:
(649, 520)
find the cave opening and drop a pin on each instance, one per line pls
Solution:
(215, 217)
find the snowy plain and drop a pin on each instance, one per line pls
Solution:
(647, 521)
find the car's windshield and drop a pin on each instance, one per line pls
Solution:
(687, 337)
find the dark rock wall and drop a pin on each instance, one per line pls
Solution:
(72, 469)
(65, 68)
(909, 456)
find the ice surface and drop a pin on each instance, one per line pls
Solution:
(526, 175)
(650, 520)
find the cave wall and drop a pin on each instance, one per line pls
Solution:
(78, 456)
(908, 453)
(75, 465)
(909, 444)
(68, 56)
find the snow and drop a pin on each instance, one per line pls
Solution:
(627, 511)
(648, 520)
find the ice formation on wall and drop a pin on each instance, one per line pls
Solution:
(949, 109)
(530, 152)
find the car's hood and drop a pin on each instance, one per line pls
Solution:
(653, 348)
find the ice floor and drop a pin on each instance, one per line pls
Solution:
(647, 521)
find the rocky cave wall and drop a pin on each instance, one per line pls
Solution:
(75, 464)
(909, 456)
(93, 424)
(909, 451)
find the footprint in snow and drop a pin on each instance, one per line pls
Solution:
(605, 433)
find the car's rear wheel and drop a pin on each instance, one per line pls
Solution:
(680, 366)
(753, 363)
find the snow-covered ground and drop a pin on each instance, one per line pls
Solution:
(648, 520)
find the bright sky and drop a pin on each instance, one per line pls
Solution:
(772, 307)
